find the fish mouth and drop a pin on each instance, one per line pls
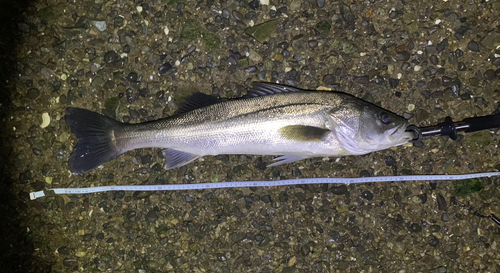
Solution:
(399, 134)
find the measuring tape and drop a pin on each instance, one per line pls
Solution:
(243, 184)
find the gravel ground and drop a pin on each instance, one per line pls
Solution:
(137, 60)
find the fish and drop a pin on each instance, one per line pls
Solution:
(272, 119)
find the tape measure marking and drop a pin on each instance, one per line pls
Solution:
(242, 184)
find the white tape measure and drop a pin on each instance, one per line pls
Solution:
(242, 184)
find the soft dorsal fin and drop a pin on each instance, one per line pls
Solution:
(196, 101)
(264, 88)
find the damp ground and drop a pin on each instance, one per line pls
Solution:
(138, 60)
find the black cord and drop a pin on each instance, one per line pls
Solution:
(474, 212)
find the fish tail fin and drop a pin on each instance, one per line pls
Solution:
(96, 143)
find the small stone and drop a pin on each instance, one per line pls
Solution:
(362, 79)
(132, 77)
(446, 81)
(164, 68)
(313, 43)
(266, 199)
(423, 198)
(434, 242)
(329, 79)
(33, 93)
(320, 3)
(70, 262)
(221, 257)
(491, 39)
(365, 173)
(145, 159)
(56, 85)
(393, 14)
(406, 67)
(461, 66)
(64, 250)
(434, 59)
(442, 46)
(191, 49)
(435, 228)
(254, 4)
(237, 15)
(473, 46)
(118, 22)
(379, 80)
(489, 74)
(248, 199)
(100, 25)
(111, 58)
(415, 228)
(390, 161)
(367, 195)
(407, 115)
(251, 69)
(393, 82)
(445, 217)
(403, 56)
(45, 120)
(441, 202)
(340, 190)
(437, 94)
(151, 216)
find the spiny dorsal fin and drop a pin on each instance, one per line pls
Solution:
(303, 133)
(264, 89)
(196, 101)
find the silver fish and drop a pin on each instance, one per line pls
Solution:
(270, 120)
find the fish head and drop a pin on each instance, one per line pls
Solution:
(363, 128)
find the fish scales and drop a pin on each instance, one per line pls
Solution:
(232, 122)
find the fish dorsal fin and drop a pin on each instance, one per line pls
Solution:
(196, 101)
(303, 133)
(264, 89)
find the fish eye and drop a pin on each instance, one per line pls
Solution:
(384, 117)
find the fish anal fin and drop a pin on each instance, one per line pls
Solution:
(284, 159)
(176, 158)
(304, 133)
(196, 101)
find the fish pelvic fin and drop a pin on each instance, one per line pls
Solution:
(96, 143)
(284, 159)
(177, 159)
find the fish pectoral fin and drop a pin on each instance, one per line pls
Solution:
(284, 159)
(303, 133)
(176, 158)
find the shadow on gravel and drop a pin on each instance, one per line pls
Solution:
(16, 248)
